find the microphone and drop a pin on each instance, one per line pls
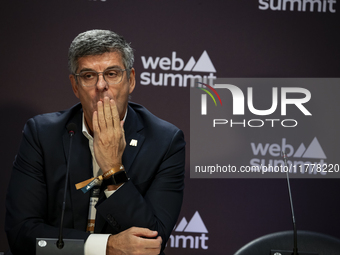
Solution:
(60, 246)
(71, 128)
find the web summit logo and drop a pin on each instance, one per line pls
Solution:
(298, 5)
(194, 235)
(301, 157)
(176, 71)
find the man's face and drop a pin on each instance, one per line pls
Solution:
(89, 96)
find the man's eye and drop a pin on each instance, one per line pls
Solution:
(112, 73)
(88, 75)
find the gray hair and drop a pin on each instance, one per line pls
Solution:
(97, 42)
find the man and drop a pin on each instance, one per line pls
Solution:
(140, 158)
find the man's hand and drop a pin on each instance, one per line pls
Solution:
(109, 140)
(134, 241)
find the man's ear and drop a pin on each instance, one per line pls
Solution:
(132, 80)
(74, 85)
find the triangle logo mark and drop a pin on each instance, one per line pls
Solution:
(190, 64)
(204, 64)
(182, 225)
(314, 150)
(196, 225)
(300, 151)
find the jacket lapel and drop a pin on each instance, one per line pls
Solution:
(134, 139)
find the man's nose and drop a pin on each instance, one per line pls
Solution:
(101, 83)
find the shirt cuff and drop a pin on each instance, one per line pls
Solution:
(110, 192)
(96, 244)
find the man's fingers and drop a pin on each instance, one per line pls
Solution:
(153, 243)
(134, 241)
(95, 122)
(115, 114)
(122, 126)
(143, 232)
(101, 117)
(107, 112)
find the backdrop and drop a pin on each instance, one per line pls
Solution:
(173, 40)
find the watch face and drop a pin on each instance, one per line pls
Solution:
(116, 178)
(120, 177)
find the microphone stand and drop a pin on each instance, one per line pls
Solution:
(295, 248)
(60, 242)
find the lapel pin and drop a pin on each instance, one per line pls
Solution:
(133, 142)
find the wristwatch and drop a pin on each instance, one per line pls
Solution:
(117, 178)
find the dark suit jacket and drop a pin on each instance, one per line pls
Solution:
(152, 197)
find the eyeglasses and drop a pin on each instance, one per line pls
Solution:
(111, 76)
